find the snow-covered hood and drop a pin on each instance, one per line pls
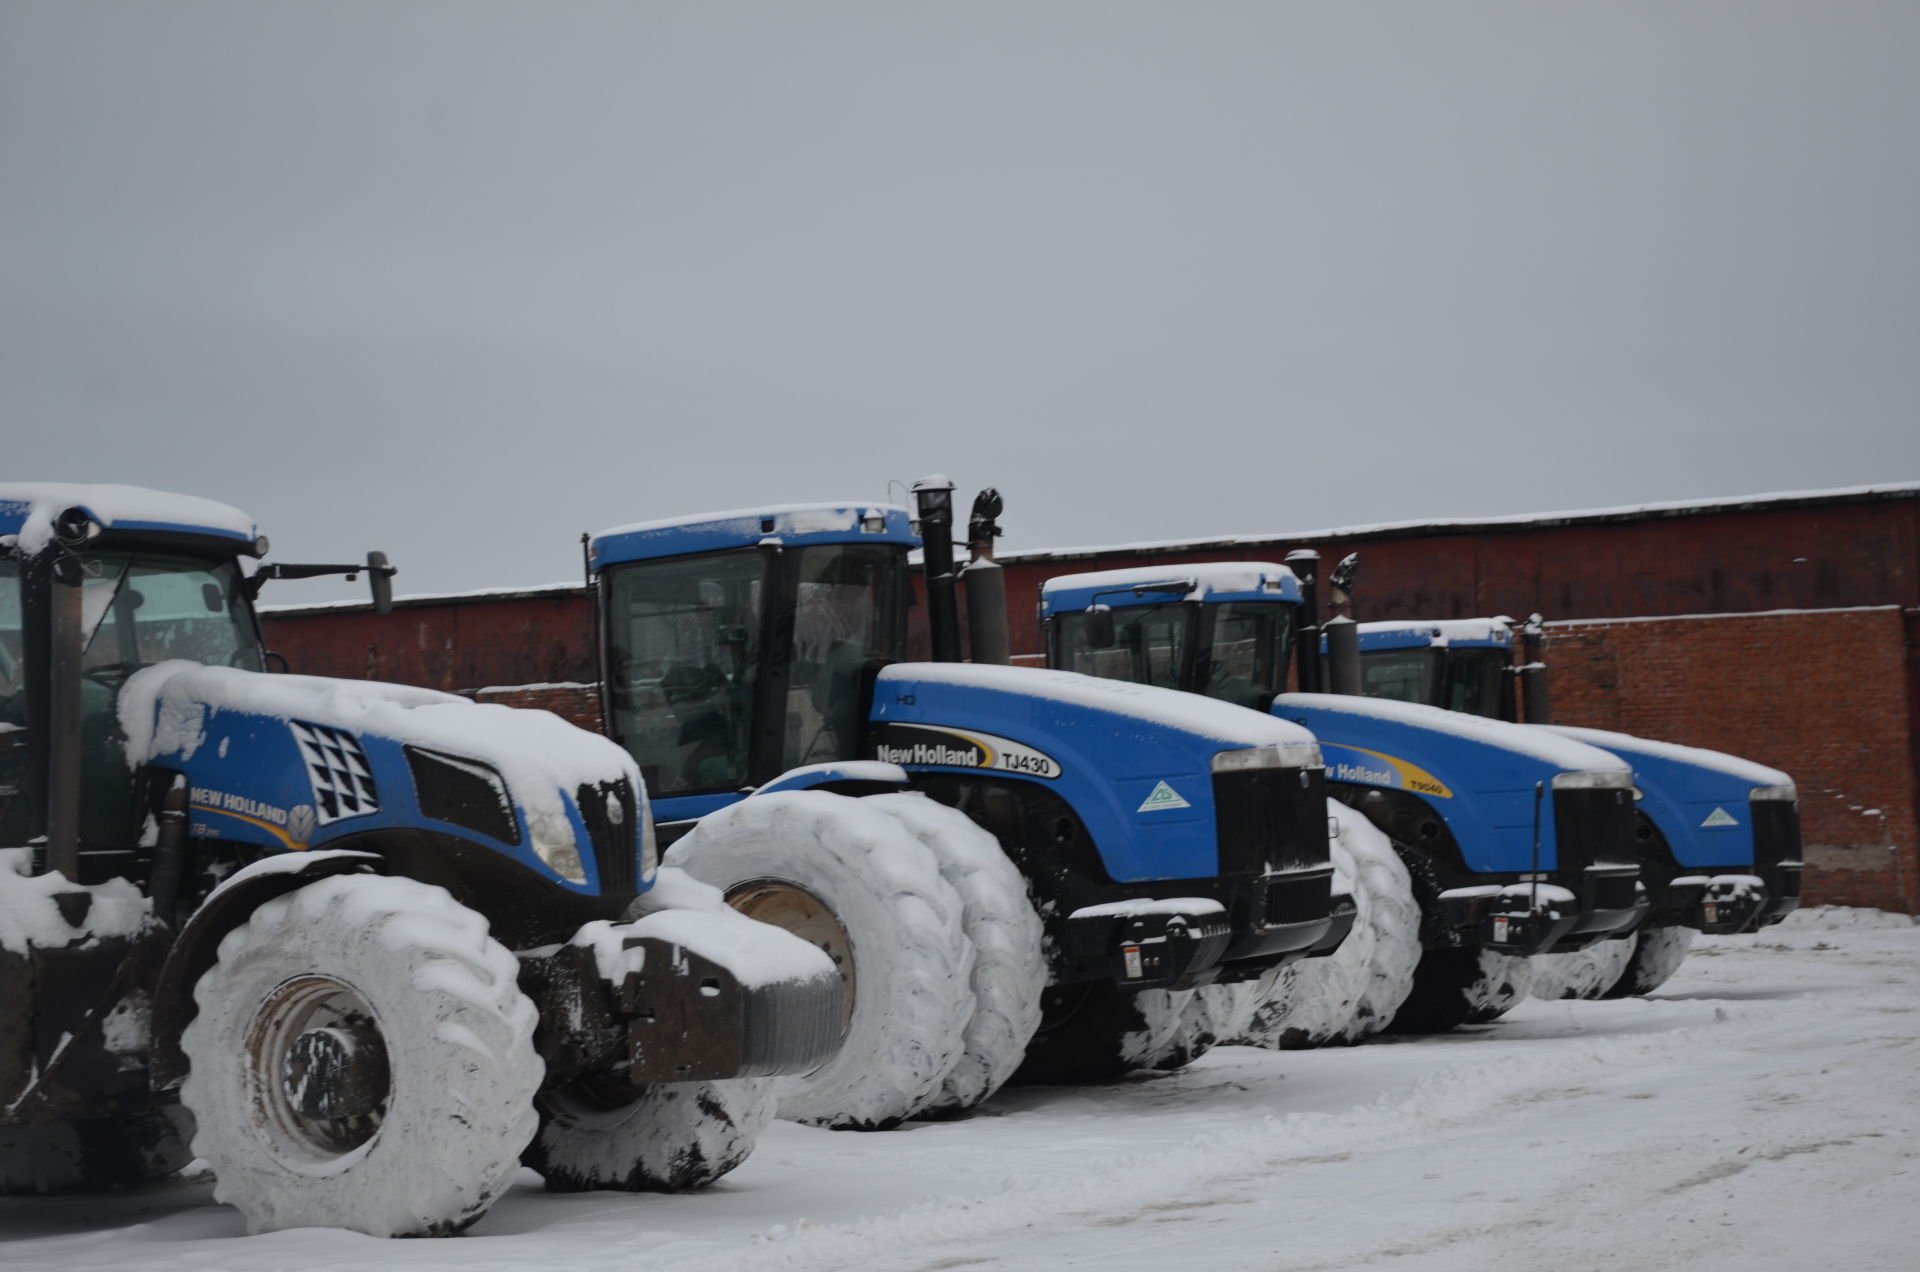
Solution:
(296, 761)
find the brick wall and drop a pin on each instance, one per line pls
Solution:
(1814, 693)
(577, 704)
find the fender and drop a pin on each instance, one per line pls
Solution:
(842, 777)
(198, 944)
(1134, 762)
(1478, 775)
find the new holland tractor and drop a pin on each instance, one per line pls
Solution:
(365, 949)
(1512, 842)
(1013, 870)
(1718, 836)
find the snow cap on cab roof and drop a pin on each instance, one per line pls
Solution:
(791, 524)
(1492, 633)
(28, 509)
(1199, 581)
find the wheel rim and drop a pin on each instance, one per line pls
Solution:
(792, 908)
(317, 1066)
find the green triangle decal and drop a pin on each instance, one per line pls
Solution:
(1720, 817)
(1162, 798)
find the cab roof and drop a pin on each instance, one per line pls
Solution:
(1469, 633)
(1205, 581)
(789, 524)
(28, 510)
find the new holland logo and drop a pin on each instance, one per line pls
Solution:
(1720, 817)
(1162, 798)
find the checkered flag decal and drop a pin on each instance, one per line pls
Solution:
(342, 782)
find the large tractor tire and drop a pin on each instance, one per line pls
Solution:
(362, 1058)
(90, 1154)
(1212, 1016)
(1009, 967)
(1095, 1032)
(855, 882)
(1462, 985)
(1354, 992)
(1587, 973)
(1657, 955)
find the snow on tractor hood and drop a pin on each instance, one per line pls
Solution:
(170, 710)
(1564, 754)
(1720, 762)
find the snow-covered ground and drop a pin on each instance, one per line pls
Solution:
(1762, 1111)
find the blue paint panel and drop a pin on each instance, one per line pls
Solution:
(1419, 637)
(1680, 797)
(793, 526)
(1490, 810)
(688, 807)
(1109, 764)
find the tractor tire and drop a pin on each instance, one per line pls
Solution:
(1213, 1016)
(1009, 967)
(1095, 1032)
(400, 992)
(858, 884)
(674, 1137)
(1462, 985)
(1657, 955)
(1587, 973)
(1354, 992)
(94, 1154)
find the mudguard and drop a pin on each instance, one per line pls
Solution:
(1135, 762)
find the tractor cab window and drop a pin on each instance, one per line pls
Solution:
(683, 660)
(1247, 662)
(1149, 645)
(1475, 680)
(138, 609)
(849, 614)
(14, 813)
(1404, 675)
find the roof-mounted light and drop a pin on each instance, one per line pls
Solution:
(260, 545)
(75, 526)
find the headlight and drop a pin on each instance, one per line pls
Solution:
(1594, 780)
(1286, 755)
(553, 843)
(1785, 794)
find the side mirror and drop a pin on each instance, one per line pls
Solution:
(1100, 634)
(380, 579)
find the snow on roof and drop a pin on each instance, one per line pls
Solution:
(1444, 631)
(1206, 577)
(1564, 753)
(1169, 708)
(1717, 761)
(1625, 512)
(27, 508)
(828, 522)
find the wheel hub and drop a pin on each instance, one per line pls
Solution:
(794, 909)
(318, 1065)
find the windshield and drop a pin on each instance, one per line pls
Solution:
(12, 679)
(849, 612)
(141, 608)
(1247, 663)
(1404, 675)
(1149, 644)
(1475, 679)
(683, 659)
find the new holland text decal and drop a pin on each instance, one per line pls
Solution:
(1373, 768)
(923, 745)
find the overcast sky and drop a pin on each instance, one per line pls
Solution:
(460, 280)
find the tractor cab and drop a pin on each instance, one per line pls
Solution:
(743, 645)
(1225, 631)
(1459, 665)
(97, 582)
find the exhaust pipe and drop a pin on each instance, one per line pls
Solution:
(1533, 672)
(986, 583)
(1343, 634)
(933, 499)
(1305, 563)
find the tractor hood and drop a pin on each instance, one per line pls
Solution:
(297, 762)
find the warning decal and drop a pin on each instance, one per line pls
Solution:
(1161, 799)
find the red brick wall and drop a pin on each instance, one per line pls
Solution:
(1817, 694)
(575, 703)
(453, 644)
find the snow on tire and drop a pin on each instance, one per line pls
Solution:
(87, 1154)
(1657, 955)
(671, 1137)
(1009, 968)
(1587, 973)
(399, 989)
(1212, 1016)
(1353, 993)
(854, 881)
(1462, 985)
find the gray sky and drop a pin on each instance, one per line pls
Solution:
(460, 280)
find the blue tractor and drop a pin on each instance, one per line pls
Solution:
(1718, 836)
(1015, 870)
(1515, 843)
(362, 948)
